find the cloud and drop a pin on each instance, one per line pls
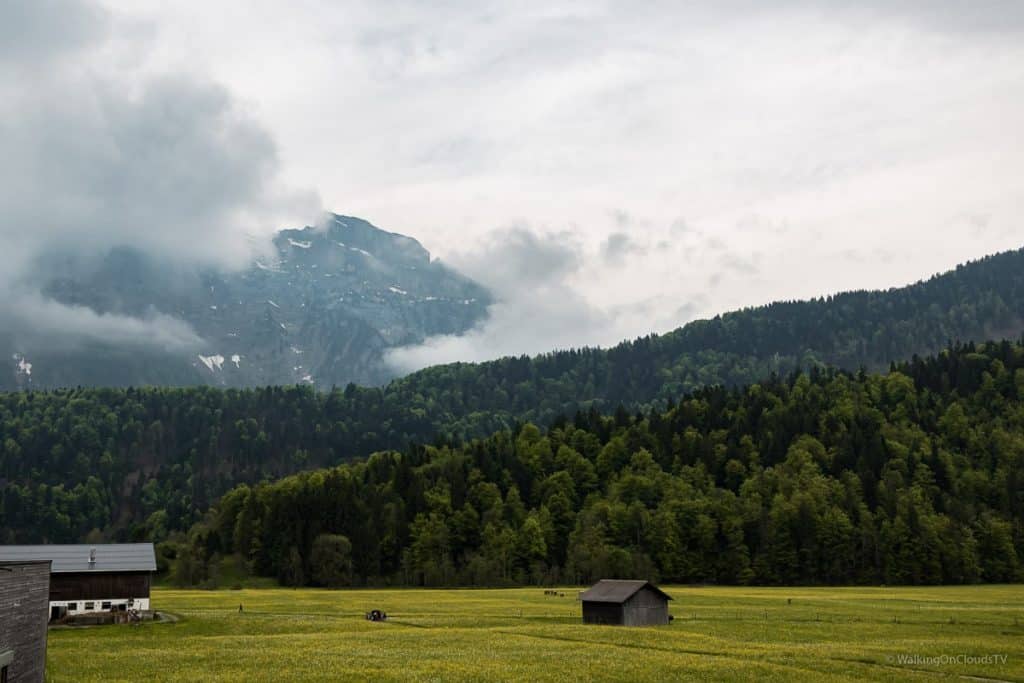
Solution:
(537, 308)
(519, 258)
(172, 168)
(33, 321)
(690, 310)
(618, 246)
(738, 264)
(953, 16)
(680, 227)
(976, 223)
(793, 129)
(540, 280)
(44, 30)
(101, 154)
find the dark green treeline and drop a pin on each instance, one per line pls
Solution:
(915, 476)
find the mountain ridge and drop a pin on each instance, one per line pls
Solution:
(322, 309)
(977, 300)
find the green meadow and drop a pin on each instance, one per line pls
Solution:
(729, 634)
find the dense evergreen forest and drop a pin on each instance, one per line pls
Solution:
(101, 463)
(914, 476)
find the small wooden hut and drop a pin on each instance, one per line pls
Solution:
(625, 603)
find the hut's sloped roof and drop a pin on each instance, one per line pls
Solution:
(618, 590)
(110, 557)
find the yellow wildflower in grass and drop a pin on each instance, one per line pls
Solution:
(719, 634)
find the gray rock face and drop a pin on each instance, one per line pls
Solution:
(322, 311)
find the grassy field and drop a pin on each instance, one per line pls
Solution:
(440, 635)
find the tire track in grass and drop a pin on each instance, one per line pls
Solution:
(796, 670)
(721, 655)
(864, 662)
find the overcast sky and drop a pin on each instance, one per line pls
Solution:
(609, 168)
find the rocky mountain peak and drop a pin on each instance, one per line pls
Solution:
(322, 309)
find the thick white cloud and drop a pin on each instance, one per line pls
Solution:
(35, 319)
(169, 165)
(537, 278)
(528, 274)
(99, 150)
(694, 158)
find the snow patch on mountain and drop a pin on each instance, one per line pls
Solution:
(211, 362)
(270, 269)
(24, 367)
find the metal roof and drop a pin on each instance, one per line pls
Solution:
(110, 557)
(618, 590)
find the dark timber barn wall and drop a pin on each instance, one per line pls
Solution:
(645, 608)
(627, 602)
(602, 613)
(24, 611)
(85, 586)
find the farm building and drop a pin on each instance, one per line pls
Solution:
(92, 578)
(24, 595)
(626, 603)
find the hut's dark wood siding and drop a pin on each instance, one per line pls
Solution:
(645, 608)
(24, 612)
(86, 586)
(602, 613)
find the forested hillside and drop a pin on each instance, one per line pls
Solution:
(915, 476)
(977, 301)
(103, 461)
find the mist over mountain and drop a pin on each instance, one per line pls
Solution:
(321, 307)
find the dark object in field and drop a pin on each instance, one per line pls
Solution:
(376, 615)
(625, 603)
(554, 594)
